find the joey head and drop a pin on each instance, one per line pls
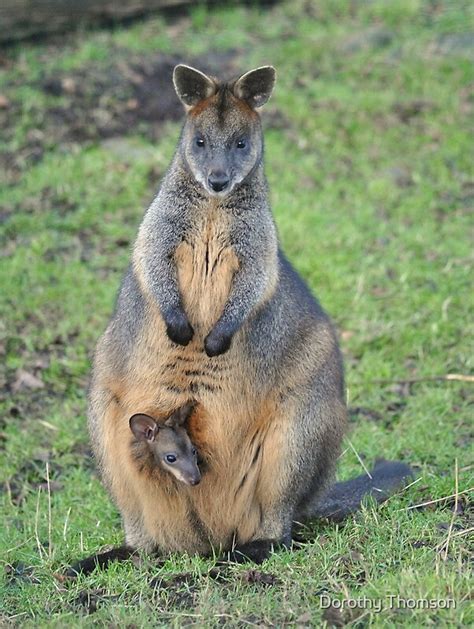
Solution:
(170, 444)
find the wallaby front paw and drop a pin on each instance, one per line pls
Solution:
(217, 342)
(178, 328)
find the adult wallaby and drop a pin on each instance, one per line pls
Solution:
(210, 310)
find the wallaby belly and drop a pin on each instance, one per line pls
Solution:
(225, 427)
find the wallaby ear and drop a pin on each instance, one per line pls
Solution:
(179, 417)
(192, 86)
(143, 427)
(256, 86)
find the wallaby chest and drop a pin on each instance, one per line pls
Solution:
(167, 375)
(206, 263)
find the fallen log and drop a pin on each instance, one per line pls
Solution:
(20, 19)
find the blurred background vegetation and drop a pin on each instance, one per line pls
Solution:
(370, 165)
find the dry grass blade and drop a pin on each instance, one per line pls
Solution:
(436, 500)
(446, 377)
(457, 534)
(402, 490)
(66, 522)
(38, 543)
(360, 460)
(445, 546)
(50, 546)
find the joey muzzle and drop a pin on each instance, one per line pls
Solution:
(188, 473)
(194, 479)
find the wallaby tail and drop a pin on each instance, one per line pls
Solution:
(342, 499)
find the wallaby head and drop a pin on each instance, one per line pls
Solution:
(170, 444)
(222, 139)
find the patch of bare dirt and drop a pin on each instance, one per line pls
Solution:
(406, 111)
(89, 601)
(257, 577)
(18, 572)
(33, 476)
(26, 390)
(178, 591)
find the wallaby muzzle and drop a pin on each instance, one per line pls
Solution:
(218, 180)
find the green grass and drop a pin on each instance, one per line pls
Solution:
(369, 160)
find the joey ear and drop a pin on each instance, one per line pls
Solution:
(256, 86)
(179, 417)
(192, 86)
(143, 427)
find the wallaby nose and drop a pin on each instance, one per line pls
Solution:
(218, 181)
(195, 480)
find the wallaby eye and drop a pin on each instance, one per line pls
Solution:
(194, 451)
(170, 458)
(241, 144)
(200, 142)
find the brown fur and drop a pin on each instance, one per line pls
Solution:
(246, 447)
(232, 450)
(210, 102)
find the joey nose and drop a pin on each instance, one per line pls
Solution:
(218, 181)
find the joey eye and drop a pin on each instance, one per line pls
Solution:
(194, 451)
(170, 458)
(241, 144)
(200, 142)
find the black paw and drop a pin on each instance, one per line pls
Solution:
(256, 551)
(178, 328)
(217, 342)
